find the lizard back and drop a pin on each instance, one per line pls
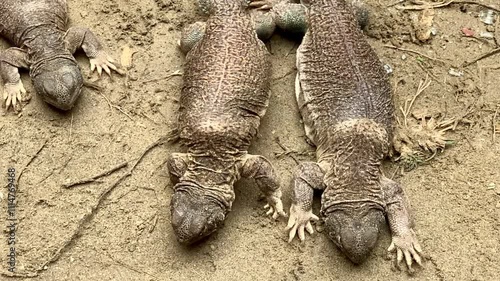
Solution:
(19, 17)
(340, 75)
(226, 85)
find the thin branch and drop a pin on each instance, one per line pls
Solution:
(494, 124)
(444, 4)
(483, 56)
(415, 52)
(94, 178)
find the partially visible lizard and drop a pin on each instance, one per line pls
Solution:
(345, 99)
(225, 93)
(45, 46)
(262, 22)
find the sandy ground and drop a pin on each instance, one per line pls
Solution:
(455, 195)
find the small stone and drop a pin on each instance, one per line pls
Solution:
(388, 68)
(491, 186)
(487, 35)
(403, 57)
(212, 247)
(487, 16)
(455, 72)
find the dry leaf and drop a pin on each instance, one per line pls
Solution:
(424, 25)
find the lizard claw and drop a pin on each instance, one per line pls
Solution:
(12, 94)
(275, 206)
(103, 62)
(407, 247)
(299, 221)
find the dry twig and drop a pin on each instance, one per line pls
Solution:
(167, 77)
(89, 215)
(31, 160)
(407, 107)
(415, 52)
(444, 4)
(98, 89)
(483, 56)
(94, 178)
(286, 151)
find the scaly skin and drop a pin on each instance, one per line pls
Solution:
(225, 93)
(45, 46)
(344, 97)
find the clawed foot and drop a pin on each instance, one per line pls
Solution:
(12, 94)
(260, 4)
(298, 221)
(274, 206)
(103, 61)
(406, 246)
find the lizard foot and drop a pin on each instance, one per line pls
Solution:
(274, 205)
(12, 94)
(298, 221)
(407, 246)
(103, 61)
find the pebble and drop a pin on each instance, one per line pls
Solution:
(388, 68)
(491, 186)
(455, 72)
(487, 16)
(487, 35)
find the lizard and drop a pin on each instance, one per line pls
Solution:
(45, 45)
(345, 100)
(225, 93)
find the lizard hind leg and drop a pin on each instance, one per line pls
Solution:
(191, 35)
(264, 25)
